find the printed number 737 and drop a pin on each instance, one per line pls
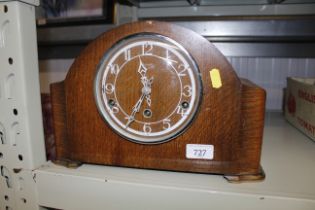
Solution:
(200, 152)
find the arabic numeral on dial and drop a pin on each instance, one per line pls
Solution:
(114, 69)
(181, 70)
(146, 128)
(166, 124)
(147, 48)
(187, 91)
(108, 88)
(180, 110)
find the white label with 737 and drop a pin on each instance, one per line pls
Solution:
(199, 151)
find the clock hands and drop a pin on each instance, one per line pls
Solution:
(146, 91)
(135, 110)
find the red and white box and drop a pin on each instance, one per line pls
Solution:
(300, 104)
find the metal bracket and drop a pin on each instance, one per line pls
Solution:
(21, 130)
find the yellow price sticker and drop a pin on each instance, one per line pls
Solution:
(215, 78)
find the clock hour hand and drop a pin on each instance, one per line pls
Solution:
(142, 70)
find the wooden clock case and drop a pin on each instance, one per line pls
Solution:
(230, 118)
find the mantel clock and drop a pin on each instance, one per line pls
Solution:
(158, 96)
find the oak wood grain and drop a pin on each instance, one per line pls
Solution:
(230, 118)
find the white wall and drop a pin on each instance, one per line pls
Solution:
(269, 73)
(52, 71)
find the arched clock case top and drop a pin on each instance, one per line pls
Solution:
(229, 117)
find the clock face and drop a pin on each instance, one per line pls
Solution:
(148, 88)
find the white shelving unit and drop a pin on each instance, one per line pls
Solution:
(27, 181)
(22, 142)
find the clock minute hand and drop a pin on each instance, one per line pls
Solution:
(135, 110)
(146, 90)
(139, 102)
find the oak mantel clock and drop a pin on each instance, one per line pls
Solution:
(158, 96)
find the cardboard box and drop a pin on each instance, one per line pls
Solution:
(300, 104)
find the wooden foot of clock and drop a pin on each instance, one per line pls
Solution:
(244, 177)
(158, 96)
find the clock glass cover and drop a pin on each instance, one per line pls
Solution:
(147, 88)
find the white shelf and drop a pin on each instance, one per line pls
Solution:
(288, 160)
